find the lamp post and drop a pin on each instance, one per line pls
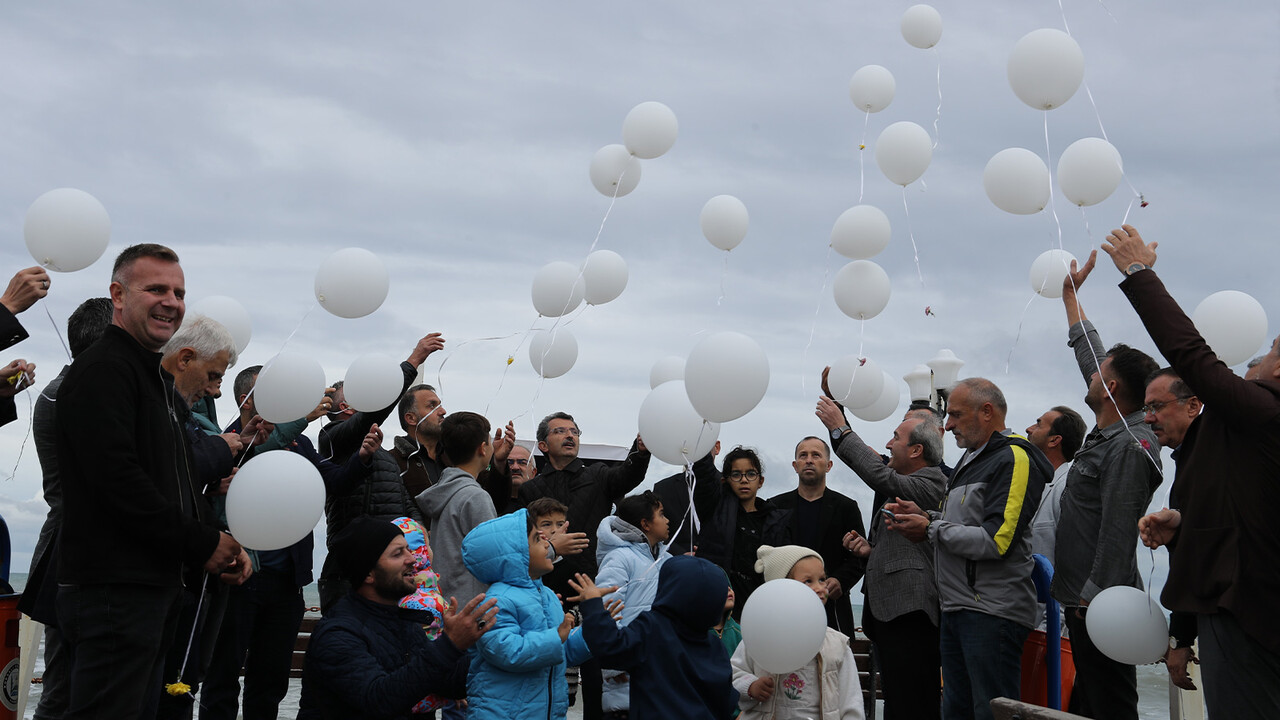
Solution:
(929, 384)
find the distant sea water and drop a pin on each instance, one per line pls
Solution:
(1153, 680)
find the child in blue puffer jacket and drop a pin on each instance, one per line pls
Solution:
(517, 668)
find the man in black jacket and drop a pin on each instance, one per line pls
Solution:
(124, 462)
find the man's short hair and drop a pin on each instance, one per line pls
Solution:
(206, 336)
(1178, 386)
(1131, 368)
(461, 433)
(334, 411)
(408, 403)
(133, 253)
(925, 434)
(1070, 427)
(825, 447)
(546, 422)
(87, 323)
(244, 381)
(984, 391)
(545, 506)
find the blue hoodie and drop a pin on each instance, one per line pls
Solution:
(678, 669)
(517, 668)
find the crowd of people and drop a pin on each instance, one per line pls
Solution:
(466, 576)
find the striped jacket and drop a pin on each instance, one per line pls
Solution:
(982, 549)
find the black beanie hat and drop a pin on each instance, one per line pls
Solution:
(359, 545)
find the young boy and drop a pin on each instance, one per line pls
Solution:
(678, 668)
(518, 672)
(457, 503)
(550, 517)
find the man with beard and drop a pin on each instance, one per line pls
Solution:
(1112, 479)
(364, 659)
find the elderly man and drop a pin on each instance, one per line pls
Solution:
(1110, 484)
(128, 494)
(25, 289)
(1223, 529)
(982, 552)
(367, 660)
(900, 610)
(522, 469)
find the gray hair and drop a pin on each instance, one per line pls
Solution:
(926, 434)
(984, 391)
(204, 335)
(1255, 362)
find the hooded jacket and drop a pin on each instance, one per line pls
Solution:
(678, 668)
(840, 692)
(982, 550)
(517, 668)
(628, 561)
(455, 506)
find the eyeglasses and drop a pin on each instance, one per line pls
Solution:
(1155, 407)
(565, 431)
(518, 461)
(738, 475)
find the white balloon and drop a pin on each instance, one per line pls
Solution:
(604, 277)
(861, 232)
(1049, 270)
(666, 369)
(1127, 626)
(726, 376)
(671, 429)
(614, 171)
(352, 283)
(783, 626)
(903, 152)
(289, 386)
(557, 289)
(885, 405)
(1017, 181)
(724, 221)
(871, 88)
(649, 130)
(855, 382)
(861, 289)
(1233, 324)
(373, 381)
(921, 26)
(230, 314)
(1089, 171)
(275, 500)
(66, 230)
(553, 352)
(1045, 68)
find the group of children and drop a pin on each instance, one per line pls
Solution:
(665, 638)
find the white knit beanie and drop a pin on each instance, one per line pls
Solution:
(776, 562)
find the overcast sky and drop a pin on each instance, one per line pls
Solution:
(454, 140)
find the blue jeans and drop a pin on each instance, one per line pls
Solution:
(981, 660)
(117, 635)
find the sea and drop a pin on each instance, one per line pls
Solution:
(1153, 680)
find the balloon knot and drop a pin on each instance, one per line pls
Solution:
(862, 147)
(511, 359)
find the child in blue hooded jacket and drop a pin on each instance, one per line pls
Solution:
(517, 671)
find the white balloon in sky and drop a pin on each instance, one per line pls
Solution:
(553, 352)
(903, 152)
(1089, 170)
(373, 381)
(649, 130)
(289, 387)
(861, 289)
(614, 171)
(1017, 181)
(871, 88)
(885, 405)
(1045, 68)
(1233, 323)
(230, 314)
(1049, 270)
(666, 369)
(855, 382)
(352, 283)
(922, 26)
(604, 277)
(557, 288)
(66, 230)
(671, 429)
(724, 221)
(726, 376)
(861, 232)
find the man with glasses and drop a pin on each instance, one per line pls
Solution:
(521, 468)
(589, 491)
(1110, 484)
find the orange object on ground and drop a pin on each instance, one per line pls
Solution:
(1034, 671)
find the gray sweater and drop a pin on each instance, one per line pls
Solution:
(456, 505)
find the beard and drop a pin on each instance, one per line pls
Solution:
(392, 585)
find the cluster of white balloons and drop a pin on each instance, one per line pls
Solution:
(859, 384)
(724, 377)
(1017, 180)
(648, 131)
(559, 288)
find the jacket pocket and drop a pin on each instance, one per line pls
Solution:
(912, 562)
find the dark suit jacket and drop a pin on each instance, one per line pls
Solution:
(11, 333)
(839, 515)
(674, 491)
(1226, 482)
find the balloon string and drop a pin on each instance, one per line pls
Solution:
(862, 157)
(1048, 154)
(195, 625)
(30, 422)
(502, 379)
(724, 273)
(458, 347)
(938, 115)
(862, 334)
(1018, 335)
(911, 233)
(1064, 17)
(57, 332)
(804, 360)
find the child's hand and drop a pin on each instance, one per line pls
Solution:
(614, 608)
(762, 689)
(565, 627)
(586, 588)
(569, 543)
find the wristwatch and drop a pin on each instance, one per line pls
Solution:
(1136, 267)
(837, 433)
